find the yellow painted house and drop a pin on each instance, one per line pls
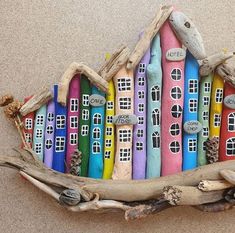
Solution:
(216, 106)
(109, 138)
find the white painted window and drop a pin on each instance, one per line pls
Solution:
(28, 137)
(59, 144)
(125, 154)
(85, 100)
(49, 129)
(124, 84)
(175, 129)
(39, 120)
(109, 119)
(206, 100)
(84, 130)
(73, 122)
(192, 105)
(73, 138)
(140, 133)
(230, 147)
(140, 120)
(155, 93)
(141, 81)
(38, 148)
(219, 95)
(192, 145)
(85, 114)
(141, 94)
(107, 154)
(109, 131)
(28, 123)
(38, 133)
(97, 120)
(141, 107)
(156, 117)
(176, 111)
(204, 145)
(50, 116)
(96, 147)
(207, 87)
(108, 142)
(124, 135)
(109, 105)
(176, 93)
(48, 144)
(175, 147)
(176, 74)
(74, 105)
(231, 122)
(142, 68)
(217, 119)
(60, 121)
(205, 132)
(205, 115)
(124, 103)
(193, 86)
(156, 140)
(139, 146)
(96, 133)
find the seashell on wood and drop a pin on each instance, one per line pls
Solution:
(188, 34)
(125, 120)
(69, 197)
(211, 62)
(175, 54)
(97, 100)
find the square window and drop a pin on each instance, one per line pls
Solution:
(60, 121)
(109, 131)
(139, 146)
(124, 84)
(73, 138)
(109, 105)
(59, 144)
(107, 154)
(73, 122)
(205, 132)
(109, 119)
(142, 67)
(124, 135)
(74, 105)
(108, 142)
(124, 103)
(141, 94)
(125, 154)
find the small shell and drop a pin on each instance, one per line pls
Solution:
(69, 197)
(188, 34)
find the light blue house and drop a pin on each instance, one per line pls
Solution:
(154, 79)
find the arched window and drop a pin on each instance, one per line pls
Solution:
(97, 119)
(230, 147)
(155, 92)
(49, 129)
(96, 133)
(176, 93)
(156, 140)
(175, 147)
(175, 129)
(176, 111)
(96, 147)
(48, 144)
(176, 74)
(231, 122)
(156, 117)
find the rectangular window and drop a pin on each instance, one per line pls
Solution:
(124, 84)
(204, 146)
(59, 144)
(140, 133)
(50, 116)
(192, 145)
(205, 115)
(109, 131)
(38, 148)
(73, 105)
(192, 105)
(85, 114)
(205, 132)
(40, 120)
(206, 100)
(193, 86)
(141, 107)
(217, 119)
(140, 120)
(84, 130)
(85, 100)
(108, 143)
(141, 94)
(109, 105)
(28, 123)
(207, 87)
(124, 135)
(125, 154)
(27, 137)
(142, 67)
(141, 81)
(60, 122)
(139, 146)
(125, 103)
(73, 138)
(38, 133)
(107, 154)
(109, 119)
(73, 122)
(219, 95)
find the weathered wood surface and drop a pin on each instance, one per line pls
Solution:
(213, 185)
(227, 73)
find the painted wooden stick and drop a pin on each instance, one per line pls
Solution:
(149, 33)
(140, 106)
(154, 76)
(190, 114)
(203, 117)
(213, 185)
(188, 34)
(172, 103)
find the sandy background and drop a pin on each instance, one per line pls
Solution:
(38, 40)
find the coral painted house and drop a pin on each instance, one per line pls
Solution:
(72, 119)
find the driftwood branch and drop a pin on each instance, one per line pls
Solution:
(36, 102)
(213, 185)
(227, 73)
(228, 175)
(114, 64)
(215, 207)
(78, 68)
(149, 33)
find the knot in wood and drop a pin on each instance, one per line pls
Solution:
(69, 197)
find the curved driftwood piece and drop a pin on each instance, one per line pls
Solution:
(213, 185)
(76, 68)
(188, 195)
(188, 34)
(149, 33)
(228, 175)
(36, 102)
(227, 73)
(114, 64)
(215, 207)
(211, 62)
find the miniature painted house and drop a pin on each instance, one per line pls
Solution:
(97, 138)
(38, 135)
(154, 78)
(124, 86)
(172, 104)
(72, 119)
(84, 124)
(49, 134)
(140, 106)
(60, 134)
(109, 152)
(190, 112)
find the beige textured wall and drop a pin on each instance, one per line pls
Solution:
(38, 40)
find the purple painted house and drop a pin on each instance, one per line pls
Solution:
(140, 106)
